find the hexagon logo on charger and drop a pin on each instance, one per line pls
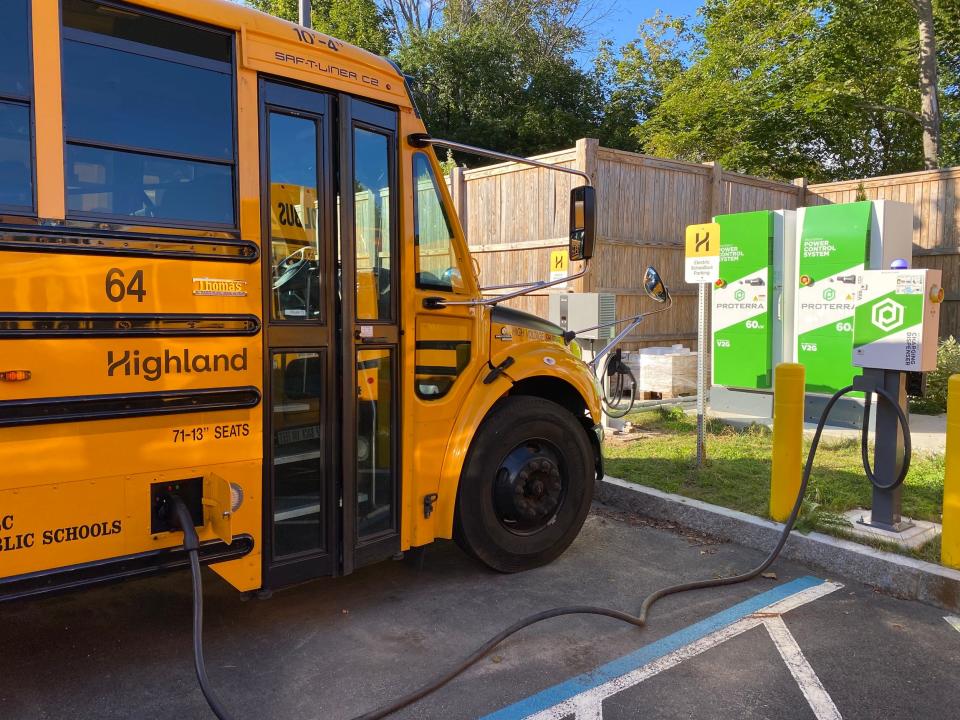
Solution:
(896, 319)
(887, 315)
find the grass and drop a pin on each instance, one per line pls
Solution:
(736, 473)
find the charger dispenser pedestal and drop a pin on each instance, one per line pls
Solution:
(887, 448)
(895, 329)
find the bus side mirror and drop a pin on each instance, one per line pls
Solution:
(654, 287)
(583, 222)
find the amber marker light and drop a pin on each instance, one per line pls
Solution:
(14, 375)
(806, 281)
(720, 284)
(936, 294)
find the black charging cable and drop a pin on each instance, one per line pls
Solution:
(638, 620)
(191, 543)
(864, 447)
(615, 373)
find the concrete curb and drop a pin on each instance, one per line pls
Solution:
(900, 576)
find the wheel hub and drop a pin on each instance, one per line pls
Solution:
(529, 488)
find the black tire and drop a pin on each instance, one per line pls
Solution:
(509, 514)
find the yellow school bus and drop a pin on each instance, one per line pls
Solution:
(230, 272)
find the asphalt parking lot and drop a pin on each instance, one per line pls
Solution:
(797, 646)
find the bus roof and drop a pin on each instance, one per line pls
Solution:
(270, 44)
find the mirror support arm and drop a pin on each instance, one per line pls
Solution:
(633, 322)
(616, 341)
(422, 140)
(508, 286)
(435, 303)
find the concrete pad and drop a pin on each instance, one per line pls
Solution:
(929, 432)
(915, 534)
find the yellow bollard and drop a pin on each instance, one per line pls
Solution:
(788, 382)
(950, 542)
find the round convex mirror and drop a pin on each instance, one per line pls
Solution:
(654, 287)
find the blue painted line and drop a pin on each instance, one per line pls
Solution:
(614, 669)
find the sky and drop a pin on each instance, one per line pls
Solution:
(620, 22)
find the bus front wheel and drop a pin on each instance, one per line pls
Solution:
(526, 486)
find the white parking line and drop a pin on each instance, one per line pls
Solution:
(954, 621)
(820, 701)
(587, 704)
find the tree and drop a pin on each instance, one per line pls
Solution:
(930, 104)
(947, 18)
(632, 83)
(501, 73)
(358, 22)
(474, 86)
(822, 88)
(733, 101)
(412, 17)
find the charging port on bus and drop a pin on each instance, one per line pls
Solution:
(190, 490)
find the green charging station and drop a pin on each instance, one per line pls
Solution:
(788, 288)
(835, 244)
(832, 251)
(742, 322)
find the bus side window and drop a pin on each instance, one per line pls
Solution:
(16, 93)
(149, 118)
(437, 265)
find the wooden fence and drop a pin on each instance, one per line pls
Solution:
(515, 215)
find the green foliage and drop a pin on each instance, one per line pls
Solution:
(286, 9)
(358, 22)
(947, 26)
(788, 88)
(633, 82)
(503, 75)
(826, 89)
(448, 163)
(673, 416)
(814, 516)
(934, 401)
